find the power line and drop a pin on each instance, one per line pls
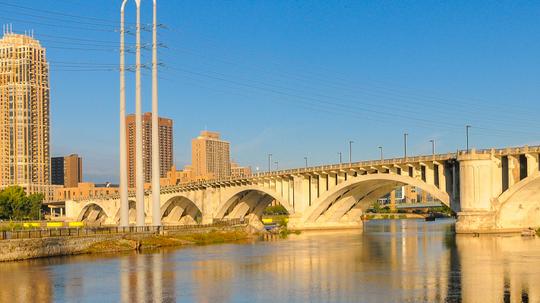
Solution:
(57, 13)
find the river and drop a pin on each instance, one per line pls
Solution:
(390, 261)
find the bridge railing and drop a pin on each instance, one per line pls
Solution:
(106, 230)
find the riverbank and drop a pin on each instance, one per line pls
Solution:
(22, 249)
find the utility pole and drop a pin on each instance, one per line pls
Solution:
(124, 204)
(139, 177)
(156, 213)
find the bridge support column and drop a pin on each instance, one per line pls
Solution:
(532, 164)
(393, 201)
(332, 180)
(301, 193)
(322, 184)
(513, 170)
(208, 196)
(476, 192)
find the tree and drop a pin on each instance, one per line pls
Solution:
(15, 204)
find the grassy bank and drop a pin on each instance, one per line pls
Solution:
(153, 241)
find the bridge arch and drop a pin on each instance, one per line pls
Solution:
(249, 199)
(93, 213)
(180, 209)
(519, 206)
(359, 192)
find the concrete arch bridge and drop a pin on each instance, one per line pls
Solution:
(491, 190)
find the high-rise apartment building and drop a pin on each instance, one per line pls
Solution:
(24, 114)
(210, 156)
(165, 147)
(66, 170)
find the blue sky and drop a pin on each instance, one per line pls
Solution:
(297, 78)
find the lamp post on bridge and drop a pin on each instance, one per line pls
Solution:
(380, 149)
(405, 135)
(277, 167)
(432, 147)
(269, 162)
(350, 151)
(467, 127)
(340, 160)
(305, 158)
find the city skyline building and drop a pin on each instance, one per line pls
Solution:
(24, 114)
(166, 140)
(66, 171)
(238, 171)
(210, 156)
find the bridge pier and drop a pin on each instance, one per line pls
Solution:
(477, 189)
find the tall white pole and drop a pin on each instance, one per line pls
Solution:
(156, 213)
(124, 204)
(139, 177)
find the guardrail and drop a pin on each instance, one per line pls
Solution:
(87, 231)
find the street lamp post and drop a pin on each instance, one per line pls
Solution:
(405, 135)
(432, 147)
(269, 162)
(350, 151)
(277, 167)
(380, 149)
(340, 159)
(305, 158)
(467, 127)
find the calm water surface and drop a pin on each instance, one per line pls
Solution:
(390, 261)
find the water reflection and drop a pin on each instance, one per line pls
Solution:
(497, 269)
(146, 278)
(397, 261)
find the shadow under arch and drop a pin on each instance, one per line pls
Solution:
(519, 206)
(93, 213)
(180, 210)
(249, 200)
(363, 188)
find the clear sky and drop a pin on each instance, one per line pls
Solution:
(296, 78)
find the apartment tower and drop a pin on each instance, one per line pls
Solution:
(210, 156)
(165, 147)
(66, 171)
(24, 113)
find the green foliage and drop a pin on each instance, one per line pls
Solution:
(378, 209)
(443, 209)
(275, 210)
(16, 205)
